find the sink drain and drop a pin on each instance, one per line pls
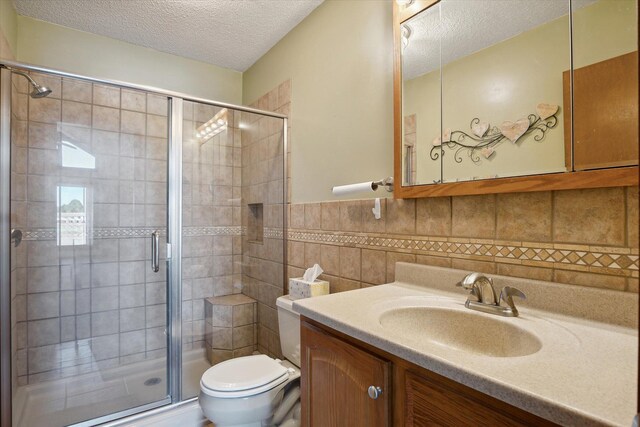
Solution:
(152, 381)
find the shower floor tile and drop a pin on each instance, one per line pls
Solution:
(62, 402)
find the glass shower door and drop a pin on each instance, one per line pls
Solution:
(89, 282)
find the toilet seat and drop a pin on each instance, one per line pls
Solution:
(243, 376)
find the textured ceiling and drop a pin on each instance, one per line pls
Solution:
(463, 27)
(227, 33)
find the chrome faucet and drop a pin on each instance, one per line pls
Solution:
(483, 296)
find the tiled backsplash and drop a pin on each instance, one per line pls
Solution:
(581, 237)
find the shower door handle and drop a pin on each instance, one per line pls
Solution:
(155, 255)
(16, 236)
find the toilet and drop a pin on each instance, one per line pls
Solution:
(257, 390)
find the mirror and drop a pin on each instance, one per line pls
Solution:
(487, 89)
(605, 84)
(420, 44)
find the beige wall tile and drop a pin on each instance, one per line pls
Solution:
(594, 216)
(106, 118)
(374, 266)
(474, 216)
(133, 123)
(284, 92)
(20, 106)
(473, 265)
(525, 271)
(350, 259)
(45, 110)
(157, 126)
(392, 258)
(589, 279)
(401, 216)
(632, 285)
(369, 223)
(342, 285)
(632, 217)
(219, 338)
(434, 260)
(108, 96)
(524, 216)
(330, 259)
(76, 90)
(134, 100)
(351, 216)
(244, 336)
(296, 217)
(296, 254)
(312, 254)
(433, 216)
(313, 216)
(76, 113)
(330, 215)
(43, 135)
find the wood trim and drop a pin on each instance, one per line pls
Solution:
(617, 177)
(397, 100)
(598, 178)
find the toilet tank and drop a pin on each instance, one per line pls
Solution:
(289, 325)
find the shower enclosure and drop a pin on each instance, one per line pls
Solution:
(128, 214)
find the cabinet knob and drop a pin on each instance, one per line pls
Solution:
(374, 392)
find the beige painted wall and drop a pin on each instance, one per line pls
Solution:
(530, 66)
(92, 55)
(604, 30)
(339, 60)
(8, 30)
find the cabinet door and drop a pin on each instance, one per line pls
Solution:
(431, 400)
(335, 379)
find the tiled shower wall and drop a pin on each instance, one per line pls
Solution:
(94, 304)
(580, 237)
(212, 243)
(263, 186)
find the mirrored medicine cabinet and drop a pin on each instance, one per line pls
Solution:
(498, 96)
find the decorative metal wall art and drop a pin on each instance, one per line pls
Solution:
(484, 139)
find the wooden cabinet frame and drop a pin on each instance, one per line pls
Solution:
(612, 177)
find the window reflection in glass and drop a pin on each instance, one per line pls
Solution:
(72, 215)
(75, 157)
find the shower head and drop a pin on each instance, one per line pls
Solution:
(38, 91)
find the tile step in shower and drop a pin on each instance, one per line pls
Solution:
(231, 328)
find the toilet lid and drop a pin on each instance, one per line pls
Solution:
(244, 375)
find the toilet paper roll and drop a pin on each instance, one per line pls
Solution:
(361, 187)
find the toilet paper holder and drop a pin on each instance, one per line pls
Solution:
(363, 187)
(387, 183)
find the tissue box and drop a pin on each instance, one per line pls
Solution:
(299, 288)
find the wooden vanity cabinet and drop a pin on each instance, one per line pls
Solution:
(336, 379)
(337, 371)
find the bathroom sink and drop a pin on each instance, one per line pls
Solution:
(461, 329)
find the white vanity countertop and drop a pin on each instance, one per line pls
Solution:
(587, 375)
